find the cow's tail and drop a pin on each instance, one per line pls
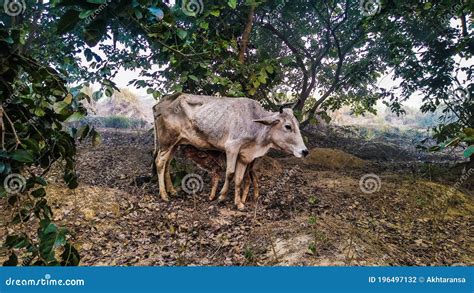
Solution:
(154, 171)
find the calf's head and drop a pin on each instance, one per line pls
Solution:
(284, 132)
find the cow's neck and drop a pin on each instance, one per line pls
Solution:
(257, 148)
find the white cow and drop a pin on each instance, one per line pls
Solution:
(240, 127)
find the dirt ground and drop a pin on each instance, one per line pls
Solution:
(311, 212)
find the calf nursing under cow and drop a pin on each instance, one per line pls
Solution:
(238, 127)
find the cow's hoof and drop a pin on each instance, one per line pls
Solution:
(211, 198)
(221, 198)
(165, 198)
(240, 206)
(173, 192)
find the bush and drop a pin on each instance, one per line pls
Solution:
(120, 122)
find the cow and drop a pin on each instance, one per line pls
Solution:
(239, 127)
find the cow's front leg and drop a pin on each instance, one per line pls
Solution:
(231, 160)
(239, 175)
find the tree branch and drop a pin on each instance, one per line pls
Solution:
(246, 34)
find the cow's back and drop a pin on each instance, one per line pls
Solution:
(222, 118)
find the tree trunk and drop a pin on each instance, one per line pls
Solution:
(246, 34)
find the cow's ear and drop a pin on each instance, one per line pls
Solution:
(270, 120)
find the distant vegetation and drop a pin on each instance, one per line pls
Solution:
(120, 122)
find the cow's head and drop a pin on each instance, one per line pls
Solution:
(285, 133)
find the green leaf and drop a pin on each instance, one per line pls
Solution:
(204, 25)
(97, 1)
(59, 107)
(70, 256)
(232, 3)
(181, 33)
(86, 13)
(193, 77)
(269, 69)
(47, 240)
(468, 152)
(40, 192)
(215, 12)
(75, 117)
(61, 237)
(22, 156)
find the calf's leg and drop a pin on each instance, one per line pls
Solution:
(256, 188)
(246, 184)
(239, 175)
(215, 182)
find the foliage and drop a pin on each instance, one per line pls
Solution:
(120, 122)
(35, 104)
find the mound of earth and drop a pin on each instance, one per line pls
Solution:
(333, 159)
(267, 166)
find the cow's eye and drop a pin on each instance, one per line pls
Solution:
(288, 127)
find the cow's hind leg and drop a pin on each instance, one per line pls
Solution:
(239, 175)
(231, 160)
(161, 161)
(168, 181)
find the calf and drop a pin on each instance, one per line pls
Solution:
(214, 163)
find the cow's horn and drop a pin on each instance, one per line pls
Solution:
(285, 105)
